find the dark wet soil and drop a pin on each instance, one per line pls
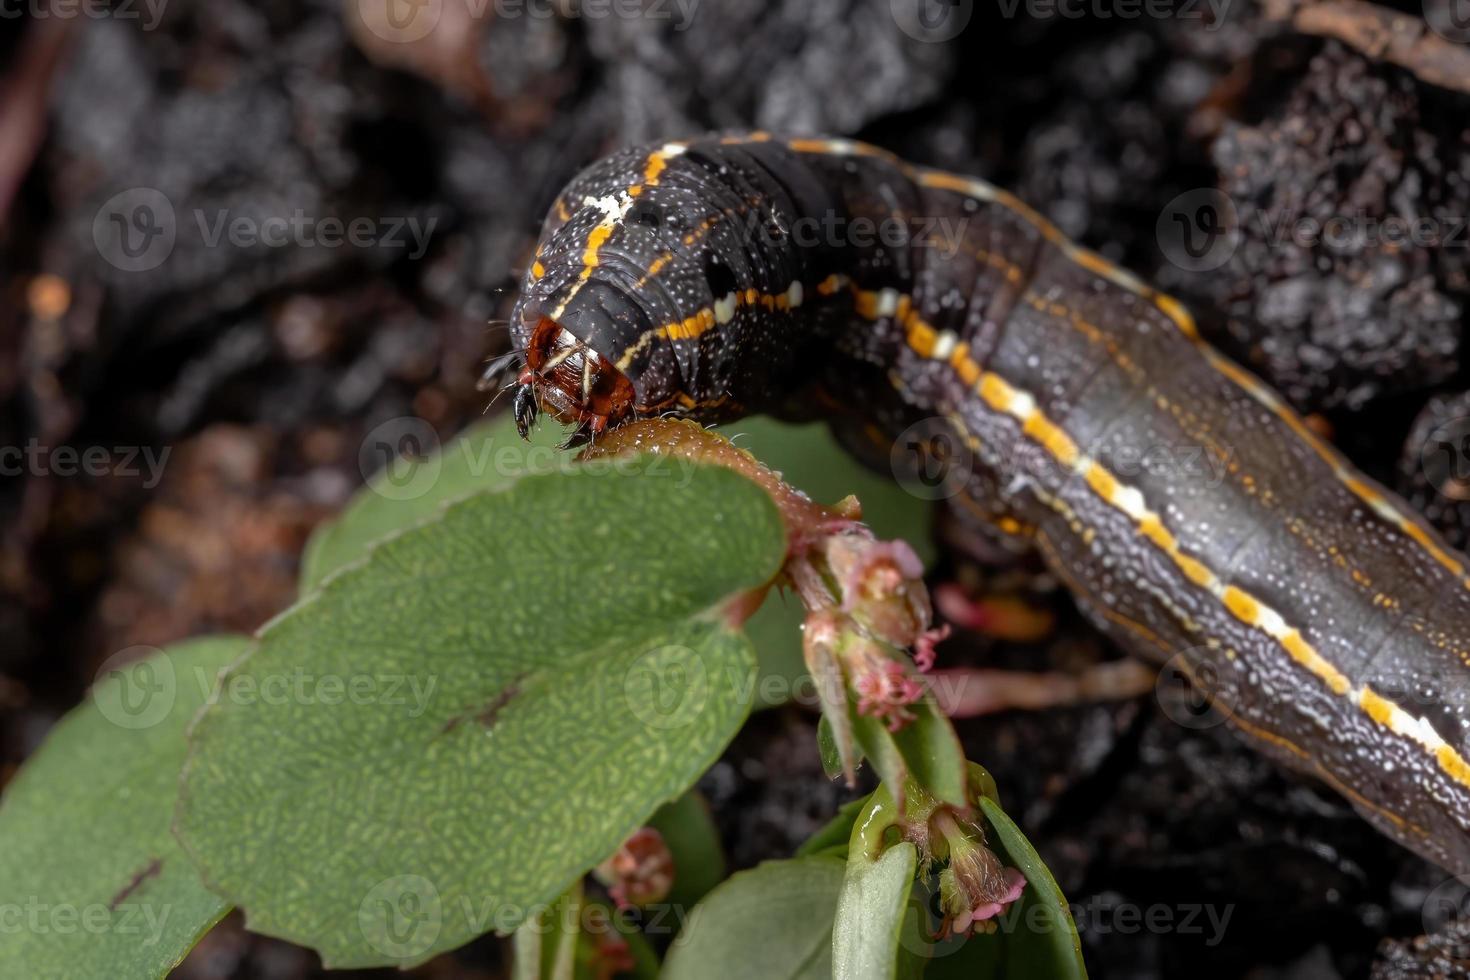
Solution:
(258, 369)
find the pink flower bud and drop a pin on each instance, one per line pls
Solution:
(640, 872)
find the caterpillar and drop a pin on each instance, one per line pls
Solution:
(826, 278)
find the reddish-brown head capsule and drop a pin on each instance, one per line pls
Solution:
(574, 383)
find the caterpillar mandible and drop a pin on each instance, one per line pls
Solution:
(725, 275)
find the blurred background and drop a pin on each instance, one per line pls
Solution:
(237, 236)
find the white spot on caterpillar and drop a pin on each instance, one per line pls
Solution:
(944, 345)
(887, 302)
(725, 309)
(794, 295)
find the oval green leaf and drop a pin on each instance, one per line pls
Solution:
(88, 864)
(1039, 934)
(409, 489)
(445, 736)
(773, 922)
(867, 935)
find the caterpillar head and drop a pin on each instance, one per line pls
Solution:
(647, 289)
(568, 379)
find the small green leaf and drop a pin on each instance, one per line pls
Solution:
(690, 834)
(88, 861)
(925, 750)
(545, 945)
(810, 459)
(409, 489)
(833, 836)
(1041, 938)
(867, 933)
(516, 685)
(773, 922)
(828, 749)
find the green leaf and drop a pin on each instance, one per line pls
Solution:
(528, 676)
(828, 748)
(690, 834)
(1034, 937)
(867, 933)
(412, 488)
(810, 459)
(1040, 936)
(87, 859)
(545, 946)
(773, 922)
(834, 835)
(874, 936)
(571, 940)
(925, 750)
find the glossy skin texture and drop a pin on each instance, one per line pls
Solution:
(1190, 512)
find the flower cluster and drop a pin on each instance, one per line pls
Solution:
(640, 872)
(975, 888)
